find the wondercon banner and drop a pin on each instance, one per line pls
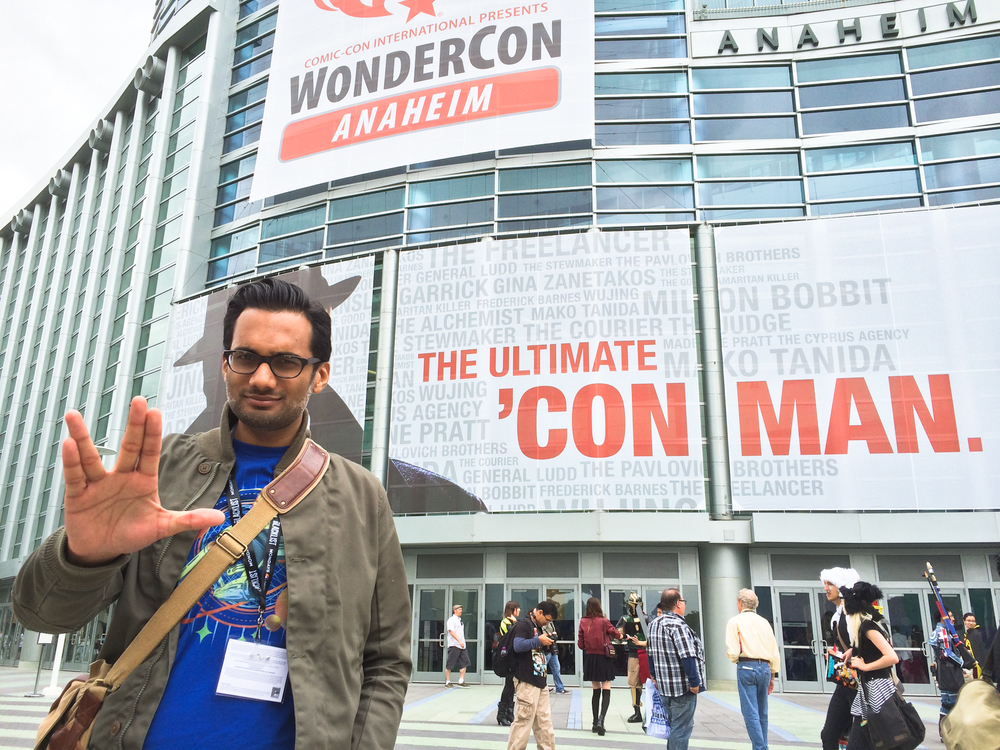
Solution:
(193, 392)
(551, 372)
(862, 361)
(356, 87)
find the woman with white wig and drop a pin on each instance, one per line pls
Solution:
(838, 713)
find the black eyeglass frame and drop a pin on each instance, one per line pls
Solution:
(261, 359)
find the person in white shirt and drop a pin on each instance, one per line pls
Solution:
(458, 657)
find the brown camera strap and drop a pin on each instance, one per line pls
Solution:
(280, 496)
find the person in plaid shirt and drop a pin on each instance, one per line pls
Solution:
(677, 666)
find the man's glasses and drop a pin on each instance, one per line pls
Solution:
(285, 366)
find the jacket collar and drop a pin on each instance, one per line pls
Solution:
(218, 444)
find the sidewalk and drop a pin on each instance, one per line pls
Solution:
(437, 718)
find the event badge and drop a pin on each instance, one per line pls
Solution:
(255, 671)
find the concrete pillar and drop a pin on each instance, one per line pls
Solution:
(725, 569)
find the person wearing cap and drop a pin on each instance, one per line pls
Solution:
(751, 646)
(838, 713)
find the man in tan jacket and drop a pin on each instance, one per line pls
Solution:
(751, 646)
(322, 594)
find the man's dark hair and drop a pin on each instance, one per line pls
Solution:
(275, 295)
(509, 607)
(968, 614)
(669, 599)
(548, 608)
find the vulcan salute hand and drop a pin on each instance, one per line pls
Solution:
(111, 513)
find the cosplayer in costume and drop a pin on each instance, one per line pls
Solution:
(632, 625)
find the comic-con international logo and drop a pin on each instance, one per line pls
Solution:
(377, 9)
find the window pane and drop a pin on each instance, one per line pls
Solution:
(857, 157)
(844, 120)
(956, 174)
(539, 178)
(252, 68)
(640, 49)
(230, 192)
(751, 213)
(964, 196)
(740, 78)
(252, 95)
(749, 128)
(827, 209)
(290, 246)
(527, 224)
(311, 217)
(638, 25)
(867, 66)
(236, 169)
(626, 198)
(540, 204)
(602, 6)
(622, 219)
(851, 93)
(232, 265)
(640, 83)
(363, 229)
(242, 54)
(450, 215)
(644, 170)
(749, 193)
(370, 203)
(642, 109)
(979, 143)
(241, 139)
(954, 79)
(453, 189)
(449, 234)
(642, 134)
(963, 105)
(863, 185)
(244, 118)
(233, 243)
(748, 166)
(737, 104)
(949, 53)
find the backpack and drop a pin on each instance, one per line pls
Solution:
(503, 654)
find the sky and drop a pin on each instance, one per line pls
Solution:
(61, 61)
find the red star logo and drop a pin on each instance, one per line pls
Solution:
(418, 6)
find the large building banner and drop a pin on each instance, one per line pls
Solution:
(193, 391)
(862, 361)
(357, 87)
(548, 373)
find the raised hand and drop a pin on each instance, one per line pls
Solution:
(111, 513)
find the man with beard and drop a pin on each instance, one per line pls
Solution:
(329, 599)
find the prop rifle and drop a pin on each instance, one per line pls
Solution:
(950, 643)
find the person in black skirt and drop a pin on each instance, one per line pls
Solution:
(594, 637)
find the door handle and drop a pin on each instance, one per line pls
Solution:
(813, 647)
(441, 640)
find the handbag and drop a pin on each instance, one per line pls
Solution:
(70, 720)
(609, 647)
(657, 723)
(895, 726)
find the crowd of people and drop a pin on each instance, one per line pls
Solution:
(665, 650)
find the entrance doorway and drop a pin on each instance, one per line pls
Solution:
(433, 608)
(912, 618)
(803, 622)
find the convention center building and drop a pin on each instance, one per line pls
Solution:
(691, 293)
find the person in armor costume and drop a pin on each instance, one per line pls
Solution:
(838, 714)
(632, 626)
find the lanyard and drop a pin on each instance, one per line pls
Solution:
(259, 579)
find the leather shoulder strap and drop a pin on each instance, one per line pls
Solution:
(280, 496)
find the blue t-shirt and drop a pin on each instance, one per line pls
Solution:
(190, 713)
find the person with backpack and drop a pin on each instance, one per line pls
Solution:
(505, 707)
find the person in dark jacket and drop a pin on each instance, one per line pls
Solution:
(534, 713)
(596, 632)
(974, 643)
(505, 706)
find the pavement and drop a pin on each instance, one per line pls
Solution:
(434, 717)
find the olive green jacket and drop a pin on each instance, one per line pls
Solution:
(348, 636)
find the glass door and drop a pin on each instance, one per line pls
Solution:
(433, 608)
(567, 617)
(910, 626)
(800, 641)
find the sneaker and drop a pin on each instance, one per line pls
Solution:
(463, 685)
(550, 688)
(562, 692)
(449, 684)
